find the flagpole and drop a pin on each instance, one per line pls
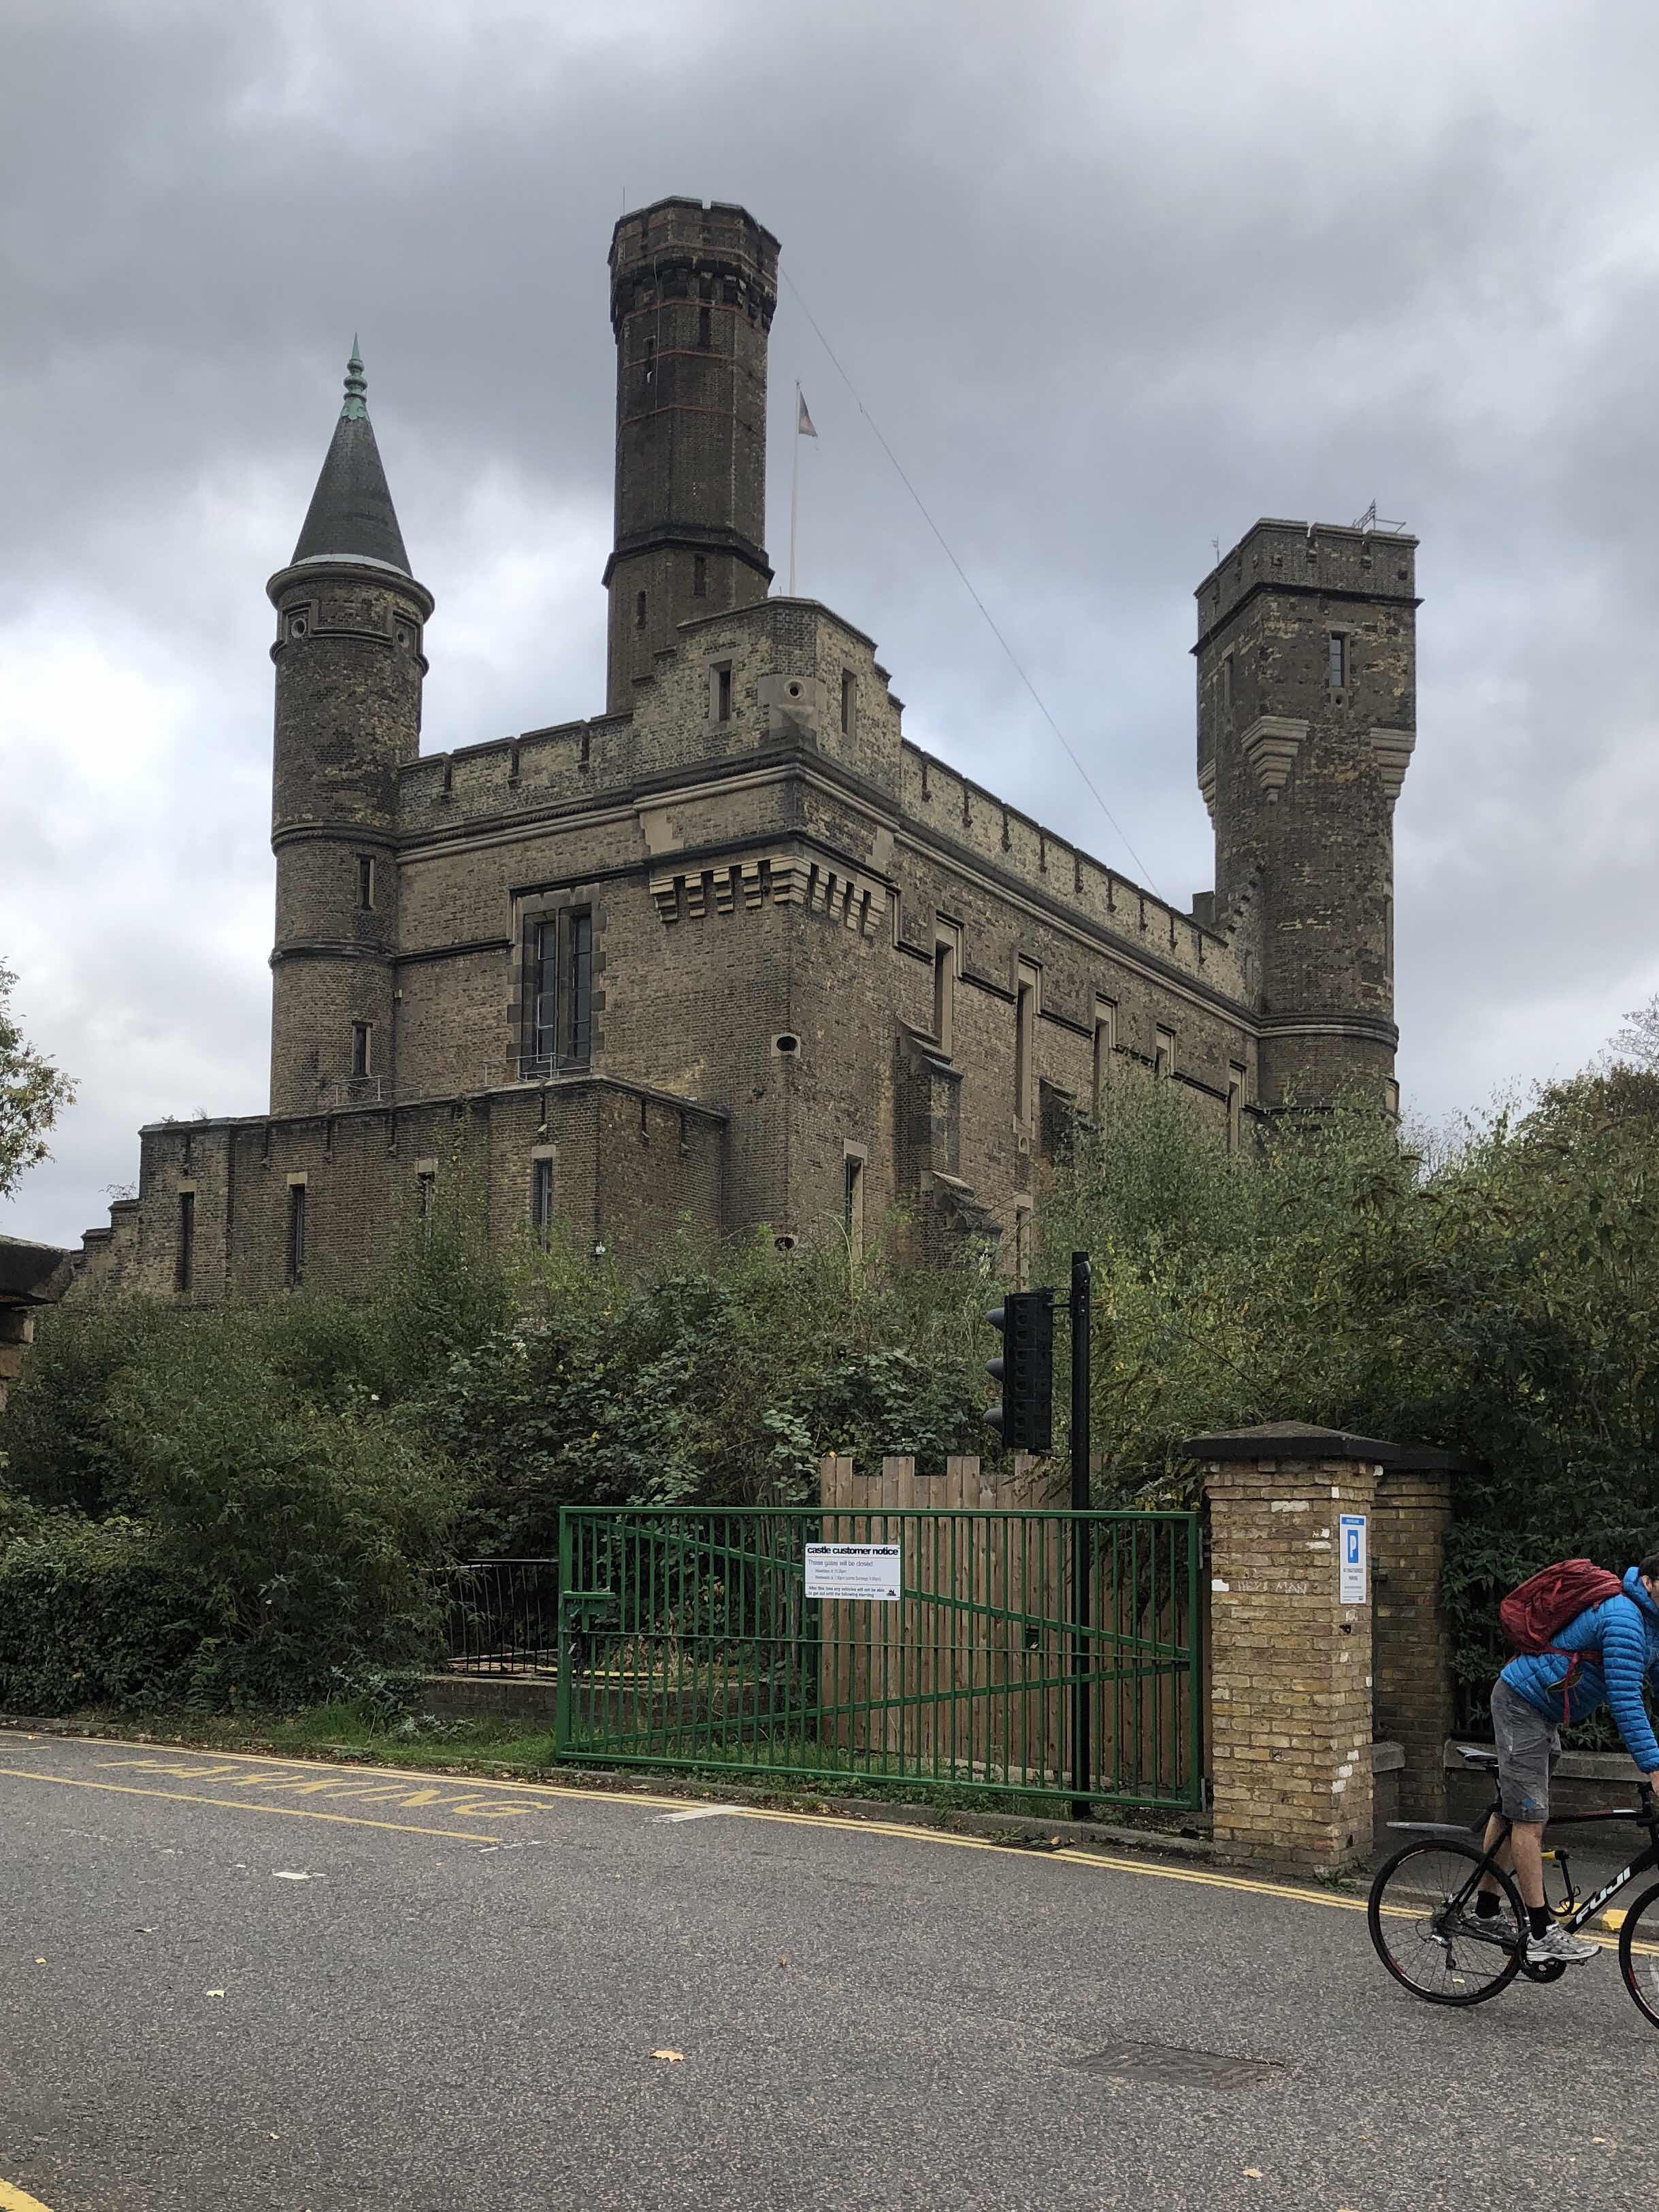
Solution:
(794, 487)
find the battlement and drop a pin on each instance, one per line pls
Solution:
(1307, 556)
(949, 806)
(657, 253)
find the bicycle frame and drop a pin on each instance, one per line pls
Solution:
(1646, 1815)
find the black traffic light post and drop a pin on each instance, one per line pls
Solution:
(1024, 1370)
(1081, 1535)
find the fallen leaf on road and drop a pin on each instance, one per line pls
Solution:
(674, 2057)
(39, 1962)
(213, 1993)
(1253, 2173)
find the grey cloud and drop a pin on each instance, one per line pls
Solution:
(1113, 280)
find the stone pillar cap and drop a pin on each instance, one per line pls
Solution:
(1280, 1440)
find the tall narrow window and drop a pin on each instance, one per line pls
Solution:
(1021, 1245)
(578, 1037)
(541, 1201)
(852, 1202)
(699, 576)
(426, 1186)
(848, 700)
(1235, 1108)
(185, 1266)
(365, 883)
(1024, 1038)
(945, 994)
(1226, 679)
(359, 1050)
(296, 1234)
(723, 692)
(1105, 1046)
(1339, 650)
(1164, 1053)
(650, 366)
(702, 326)
(639, 611)
(560, 1030)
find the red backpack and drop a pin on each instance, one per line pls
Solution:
(1535, 1614)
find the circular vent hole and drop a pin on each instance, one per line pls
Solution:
(786, 1044)
(297, 626)
(784, 1243)
(794, 690)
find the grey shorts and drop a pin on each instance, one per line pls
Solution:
(1527, 1748)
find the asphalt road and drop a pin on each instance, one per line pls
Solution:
(462, 2006)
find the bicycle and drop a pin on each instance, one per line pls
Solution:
(1425, 1895)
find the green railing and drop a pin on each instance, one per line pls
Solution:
(709, 1639)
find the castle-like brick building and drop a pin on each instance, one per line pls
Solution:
(734, 950)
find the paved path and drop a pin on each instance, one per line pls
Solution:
(252, 1986)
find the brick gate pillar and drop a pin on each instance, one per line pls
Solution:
(1290, 1657)
(1412, 1657)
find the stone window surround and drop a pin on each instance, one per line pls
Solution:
(529, 909)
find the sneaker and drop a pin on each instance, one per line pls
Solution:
(1555, 1948)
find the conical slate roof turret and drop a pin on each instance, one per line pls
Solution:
(352, 517)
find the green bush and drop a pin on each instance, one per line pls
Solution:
(1497, 1293)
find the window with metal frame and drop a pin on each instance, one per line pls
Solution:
(296, 1235)
(184, 1264)
(541, 1201)
(559, 1033)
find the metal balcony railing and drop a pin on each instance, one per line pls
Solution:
(361, 1091)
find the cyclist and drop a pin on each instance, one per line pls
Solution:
(1609, 1653)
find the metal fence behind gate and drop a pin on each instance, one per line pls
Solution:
(687, 1639)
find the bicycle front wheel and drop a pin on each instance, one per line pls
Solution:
(1638, 1952)
(1426, 1930)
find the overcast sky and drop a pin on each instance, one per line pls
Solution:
(1114, 278)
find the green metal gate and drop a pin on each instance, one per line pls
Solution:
(687, 1639)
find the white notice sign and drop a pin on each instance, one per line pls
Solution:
(1352, 1561)
(864, 1570)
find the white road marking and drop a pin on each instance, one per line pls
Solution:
(696, 1813)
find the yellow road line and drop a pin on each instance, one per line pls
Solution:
(18, 2200)
(470, 1783)
(1156, 1870)
(246, 1805)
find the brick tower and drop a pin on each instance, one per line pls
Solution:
(349, 671)
(692, 294)
(1307, 672)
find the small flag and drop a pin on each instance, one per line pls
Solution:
(803, 420)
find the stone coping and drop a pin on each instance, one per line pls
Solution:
(1302, 1440)
(1615, 1766)
(32, 1275)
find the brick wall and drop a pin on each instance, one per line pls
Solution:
(1290, 1665)
(1412, 1655)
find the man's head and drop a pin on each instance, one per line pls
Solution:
(1648, 1571)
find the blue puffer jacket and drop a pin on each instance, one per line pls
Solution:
(1619, 1642)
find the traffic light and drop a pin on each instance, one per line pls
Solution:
(1025, 1371)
